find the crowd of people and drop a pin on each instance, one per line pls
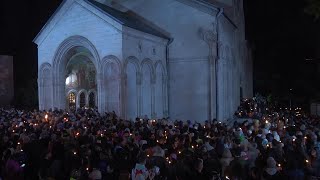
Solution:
(274, 143)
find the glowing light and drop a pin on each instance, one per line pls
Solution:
(307, 161)
(75, 153)
(87, 169)
(279, 165)
(46, 116)
(169, 162)
(227, 177)
(18, 143)
(148, 155)
(192, 147)
(179, 152)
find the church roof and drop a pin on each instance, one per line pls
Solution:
(127, 19)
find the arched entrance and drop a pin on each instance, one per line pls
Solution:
(81, 77)
(71, 101)
(92, 101)
(75, 67)
(82, 100)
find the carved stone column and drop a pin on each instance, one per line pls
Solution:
(210, 37)
(153, 83)
(123, 95)
(139, 93)
(100, 94)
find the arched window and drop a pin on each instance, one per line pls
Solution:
(72, 101)
(91, 100)
(82, 100)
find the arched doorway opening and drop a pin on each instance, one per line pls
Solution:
(72, 101)
(80, 76)
(92, 101)
(82, 100)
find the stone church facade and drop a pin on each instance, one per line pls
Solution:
(183, 59)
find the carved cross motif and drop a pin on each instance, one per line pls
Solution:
(208, 36)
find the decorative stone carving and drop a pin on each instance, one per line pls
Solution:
(209, 36)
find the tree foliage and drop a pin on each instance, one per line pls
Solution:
(313, 8)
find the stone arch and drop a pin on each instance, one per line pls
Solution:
(62, 55)
(67, 97)
(45, 86)
(78, 97)
(132, 82)
(111, 72)
(147, 89)
(148, 62)
(133, 60)
(160, 90)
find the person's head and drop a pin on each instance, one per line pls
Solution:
(198, 165)
(142, 158)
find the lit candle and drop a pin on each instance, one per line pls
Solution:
(179, 152)
(87, 169)
(307, 161)
(192, 147)
(279, 165)
(305, 137)
(75, 153)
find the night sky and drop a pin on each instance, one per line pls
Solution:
(281, 34)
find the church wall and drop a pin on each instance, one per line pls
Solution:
(188, 55)
(78, 21)
(148, 52)
(228, 75)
